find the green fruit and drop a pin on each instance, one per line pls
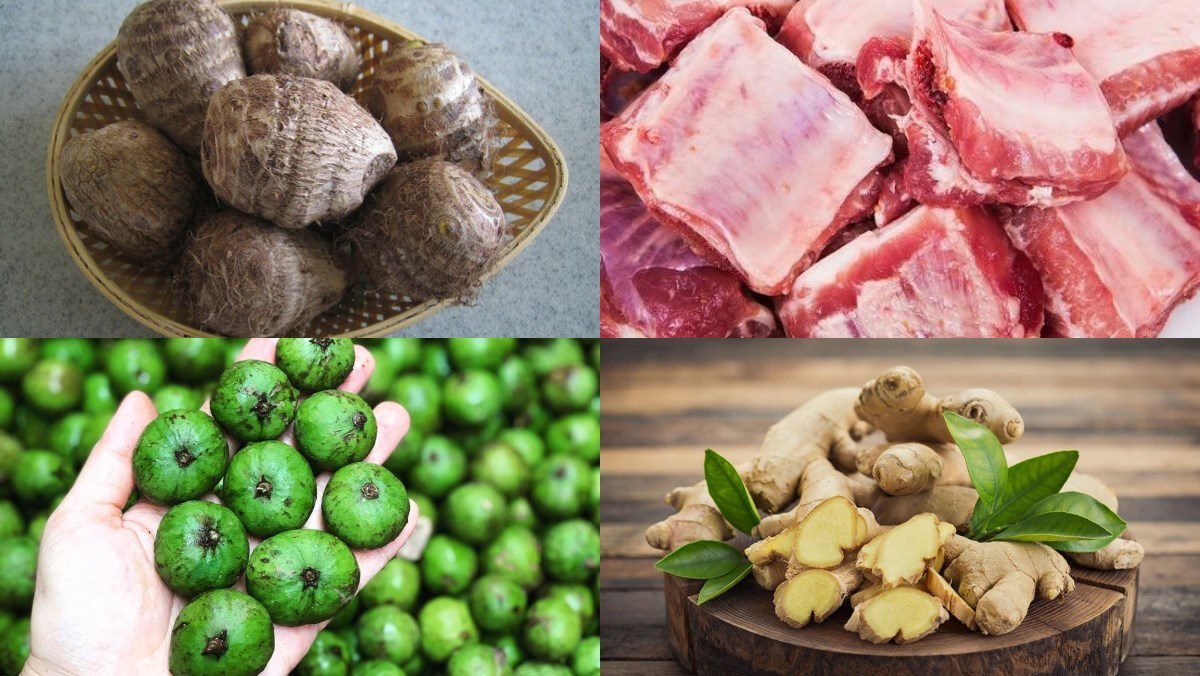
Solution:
(594, 495)
(415, 666)
(221, 632)
(180, 456)
(516, 554)
(510, 646)
(472, 397)
(497, 603)
(98, 394)
(175, 397)
(200, 546)
(526, 442)
(136, 365)
(578, 596)
(97, 424)
(446, 626)
(41, 476)
(17, 355)
(7, 409)
(473, 438)
(426, 506)
(534, 417)
(561, 485)
(78, 351)
(520, 512)
(302, 576)
(398, 583)
(37, 526)
(577, 434)
(475, 512)
(14, 647)
(314, 364)
(406, 453)
(552, 630)
(542, 669)
(233, 350)
(365, 505)
(518, 383)
(586, 660)
(10, 453)
(442, 466)
(547, 355)
(435, 361)
(448, 565)
(32, 427)
(405, 353)
(479, 353)
(6, 621)
(571, 550)
(377, 668)
(388, 633)
(270, 487)
(328, 656)
(594, 406)
(68, 433)
(254, 401)
(346, 616)
(596, 355)
(194, 360)
(422, 398)
(53, 386)
(335, 428)
(18, 560)
(477, 659)
(500, 465)
(570, 388)
(383, 376)
(11, 521)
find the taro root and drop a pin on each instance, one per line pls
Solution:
(431, 103)
(134, 188)
(174, 55)
(292, 150)
(430, 232)
(245, 277)
(291, 42)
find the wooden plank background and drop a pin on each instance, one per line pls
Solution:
(1131, 408)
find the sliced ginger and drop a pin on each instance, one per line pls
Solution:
(815, 594)
(902, 614)
(770, 575)
(775, 548)
(830, 530)
(900, 556)
(865, 594)
(960, 609)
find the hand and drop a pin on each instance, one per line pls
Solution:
(99, 606)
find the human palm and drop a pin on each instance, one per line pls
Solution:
(99, 606)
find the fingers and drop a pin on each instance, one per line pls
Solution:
(364, 365)
(371, 560)
(106, 479)
(262, 349)
(392, 422)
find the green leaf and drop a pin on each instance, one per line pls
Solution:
(701, 560)
(729, 492)
(1053, 527)
(1028, 482)
(1089, 508)
(985, 463)
(719, 585)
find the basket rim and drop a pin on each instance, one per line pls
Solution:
(166, 326)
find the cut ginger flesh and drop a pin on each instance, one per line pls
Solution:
(901, 555)
(831, 529)
(903, 613)
(812, 595)
(775, 548)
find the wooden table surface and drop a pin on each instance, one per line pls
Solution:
(1131, 408)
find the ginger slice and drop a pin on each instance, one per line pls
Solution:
(902, 614)
(960, 609)
(865, 594)
(815, 594)
(830, 530)
(900, 556)
(775, 548)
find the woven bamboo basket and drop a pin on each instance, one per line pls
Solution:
(530, 180)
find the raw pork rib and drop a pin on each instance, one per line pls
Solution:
(1117, 265)
(1144, 53)
(641, 35)
(652, 284)
(751, 154)
(933, 273)
(1004, 117)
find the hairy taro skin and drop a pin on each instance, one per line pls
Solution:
(246, 277)
(431, 231)
(292, 150)
(291, 42)
(254, 401)
(200, 546)
(314, 364)
(174, 54)
(136, 191)
(335, 428)
(365, 505)
(302, 576)
(180, 456)
(223, 632)
(270, 487)
(431, 104)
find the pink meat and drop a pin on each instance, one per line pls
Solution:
(749, 153)
(1144, 53)
(1116, 266)
(654, 286)
(642, 35)
(933, 273)
(1196, 129)
(619, 88)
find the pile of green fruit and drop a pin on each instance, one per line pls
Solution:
(502, 460)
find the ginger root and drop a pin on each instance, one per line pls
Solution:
(897, 404)
(775, 548)
(865, 594)
(1000, 579)
(904, 469)
(831, 530)
(815, 594)
(819, 482)
(697, 518)
(1120, 554)
(900, 556)
(959, 609)
(903, 614)
(951, 504)
(769, 575)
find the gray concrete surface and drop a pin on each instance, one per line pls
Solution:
(542, 53)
